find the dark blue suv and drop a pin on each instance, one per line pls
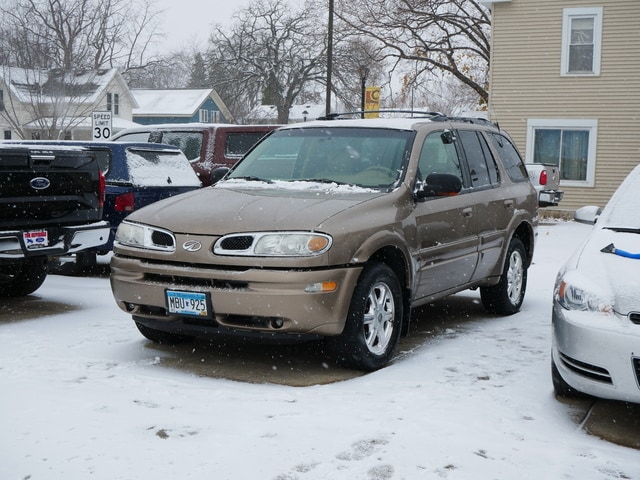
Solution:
(136, 174)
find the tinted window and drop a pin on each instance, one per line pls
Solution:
(510, 157)
(189, 142)
(238, 144)
(481, 163)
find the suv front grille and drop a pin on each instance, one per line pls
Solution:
(240, 242)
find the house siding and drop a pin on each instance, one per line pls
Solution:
(526, 84)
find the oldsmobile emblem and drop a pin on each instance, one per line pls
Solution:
(40, 183)
(191, 245)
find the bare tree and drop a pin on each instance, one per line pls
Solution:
(77, 34)
(451, 36)
(271, 52)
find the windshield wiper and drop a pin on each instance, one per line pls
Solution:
(623, 229)
(251, 178)
(327, 180)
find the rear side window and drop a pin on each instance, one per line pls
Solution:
(482, 166)
(510, 157)
(159, 168)
(237, 144)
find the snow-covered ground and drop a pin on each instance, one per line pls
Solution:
(84, 396)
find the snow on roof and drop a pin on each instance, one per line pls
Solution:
(168, 102)
(85, 87)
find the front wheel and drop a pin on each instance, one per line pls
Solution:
(506, 297)
(374, 321)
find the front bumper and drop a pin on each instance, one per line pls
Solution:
(250, 300)
(597, 354)
(53, 241)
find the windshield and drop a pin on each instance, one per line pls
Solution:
(365, 157)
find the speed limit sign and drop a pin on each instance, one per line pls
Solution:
(101, 126)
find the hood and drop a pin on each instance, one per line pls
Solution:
(616, 277)
(222, 210)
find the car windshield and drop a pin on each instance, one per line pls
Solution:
(364, 157)
(624, 206)
(159, 168)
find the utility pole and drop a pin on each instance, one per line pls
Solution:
(329, 58)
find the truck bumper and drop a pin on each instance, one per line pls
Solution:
(548, 198)
(52, 241)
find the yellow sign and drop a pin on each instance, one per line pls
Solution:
(372, 101)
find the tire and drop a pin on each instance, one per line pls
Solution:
(164, 338)
(374, 321)
(22, 278)
(506, 297)
(562, 388)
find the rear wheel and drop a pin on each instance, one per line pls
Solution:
(506, 297)
(158, 336)
(23, 277)
(374, 321)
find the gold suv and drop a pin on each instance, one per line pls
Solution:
(334, 230)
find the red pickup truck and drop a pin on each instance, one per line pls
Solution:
(206, 145)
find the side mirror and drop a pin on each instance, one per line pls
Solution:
(588, 215)
(439, 185)
(218, 174)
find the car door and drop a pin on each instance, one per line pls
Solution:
(446, 227)
(490, 205)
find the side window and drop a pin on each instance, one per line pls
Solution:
(510, 157)
(438, 156)
(481, 163)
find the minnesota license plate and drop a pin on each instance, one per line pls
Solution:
(188, 303)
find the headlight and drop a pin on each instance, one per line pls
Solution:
(574, 292)
(145, 236)
(278, 244)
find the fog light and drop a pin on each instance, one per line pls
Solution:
(277, 323)
(321, 287)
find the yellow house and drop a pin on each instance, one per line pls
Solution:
(565, 83)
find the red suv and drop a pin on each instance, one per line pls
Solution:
(206, 145)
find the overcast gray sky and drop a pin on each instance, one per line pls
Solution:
(189, 21)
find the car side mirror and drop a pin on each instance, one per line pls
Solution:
(218, 174)
(588, 215)
(439, 185)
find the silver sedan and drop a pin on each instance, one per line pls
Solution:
(596, 304)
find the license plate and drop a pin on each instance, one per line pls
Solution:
(35, 239)
(189, 303)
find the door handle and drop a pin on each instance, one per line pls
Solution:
(467, 212)
(508, 204)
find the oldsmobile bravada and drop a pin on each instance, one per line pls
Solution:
(334, 230)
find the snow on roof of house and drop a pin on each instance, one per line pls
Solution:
(80, 87)
(169, 102)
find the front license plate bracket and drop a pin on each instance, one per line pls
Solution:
(193, 304)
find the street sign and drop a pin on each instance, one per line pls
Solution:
(101, 125)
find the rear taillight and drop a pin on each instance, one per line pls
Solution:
(125, 202)
(543, 177)
(103, 189)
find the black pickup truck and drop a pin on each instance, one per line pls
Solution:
(51, 201)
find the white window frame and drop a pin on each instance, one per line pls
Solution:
(203, 115)
(568, 14)
(589, 125)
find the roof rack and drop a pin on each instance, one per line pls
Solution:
(435, 116)
(359, 113)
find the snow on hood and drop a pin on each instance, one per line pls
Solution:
(300, 185)
(221, 210)
(612, 277)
